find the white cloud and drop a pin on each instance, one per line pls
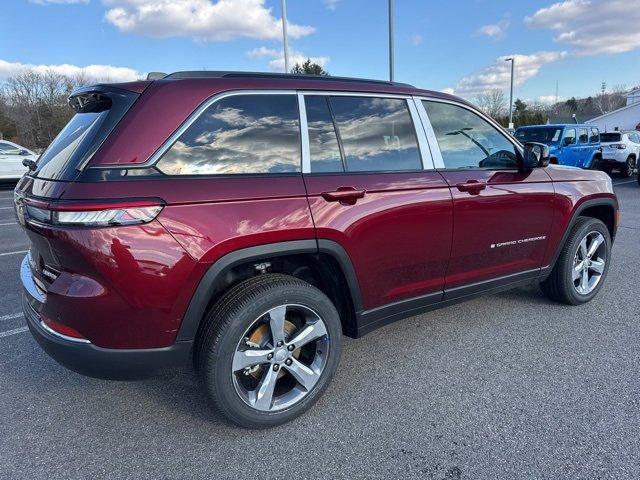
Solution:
(548, 99)
(592, 26)
(92, 72)
(415, 40)
(206, 20)
(331, 4)
(496, 31)
(276, 58)
(498, 75)
(57, 2)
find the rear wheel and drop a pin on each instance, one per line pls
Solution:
(627, 170)
(268, 350)
(582, 265)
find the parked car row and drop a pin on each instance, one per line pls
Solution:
(584, 146)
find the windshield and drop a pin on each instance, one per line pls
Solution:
(610, 137)
(56, 158)
(544, 134)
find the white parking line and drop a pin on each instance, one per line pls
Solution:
(13, 253)
(6, 224)
(622, 183)
(13, 332)
(6, 208)
(11, 316)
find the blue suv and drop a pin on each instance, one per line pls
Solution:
(571, 144)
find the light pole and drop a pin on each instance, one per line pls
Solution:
(512, 60)
(284, 35)
(391, 75)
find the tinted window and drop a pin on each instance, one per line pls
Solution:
(468, 141)
(570, 136)
(595, 136)
(544, 135)
(59, 155)
(610, 137)
(323, 141)
(239, 134)
(377, 134)
(635, 138)
(584, 136)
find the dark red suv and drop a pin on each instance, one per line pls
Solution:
(247, 221)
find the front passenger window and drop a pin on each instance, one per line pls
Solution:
(466, 140)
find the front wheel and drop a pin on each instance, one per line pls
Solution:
(268, 350)
(583, 263)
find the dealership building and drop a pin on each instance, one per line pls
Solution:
(625, 118)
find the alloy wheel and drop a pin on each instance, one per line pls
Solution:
(280, 358)
(589, 263)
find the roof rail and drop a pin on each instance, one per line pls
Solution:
(283, 76)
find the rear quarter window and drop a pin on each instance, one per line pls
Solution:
(240, 134)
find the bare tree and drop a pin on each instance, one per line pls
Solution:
(36, 105)
(608, 101)
(492, 102)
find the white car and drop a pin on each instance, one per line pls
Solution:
(620, 151)
(11, 157)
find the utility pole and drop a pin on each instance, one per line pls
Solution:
(284, 36)
(391, 73)
(512, 60)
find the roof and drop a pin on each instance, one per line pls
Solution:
(626, 107)
(559, 125)
(225, 79)
(271, 75)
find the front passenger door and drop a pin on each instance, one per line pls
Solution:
(501, 216)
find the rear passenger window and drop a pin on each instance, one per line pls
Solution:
(241, 134)
(466, 140)
(595, 136)
(323, 141)
(377, 134)
(584, 136)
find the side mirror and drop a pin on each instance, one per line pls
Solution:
(535, 155)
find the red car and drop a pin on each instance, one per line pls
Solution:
(246, 222)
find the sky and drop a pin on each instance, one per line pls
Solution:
(455, 46)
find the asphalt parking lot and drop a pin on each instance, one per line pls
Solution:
(505, 386)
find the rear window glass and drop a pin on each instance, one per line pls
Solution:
(323, 140)
(584, 136)
(610, 137)
(377, 134)
(544, 135)
(241, 134)
(60, 154)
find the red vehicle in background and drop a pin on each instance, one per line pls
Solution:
(248, 221)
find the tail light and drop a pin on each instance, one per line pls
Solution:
(76, 214)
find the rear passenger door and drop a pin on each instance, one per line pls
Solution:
(373, 190)
(583, 150)
(502, 216)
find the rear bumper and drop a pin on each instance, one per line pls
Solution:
(85, 358)
(614, 157)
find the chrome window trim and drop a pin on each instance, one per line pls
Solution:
(304, 135)
(432, 136)
(195, 115)
(426, 158)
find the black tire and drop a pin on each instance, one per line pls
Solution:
(627, 170)
(559, 285)
(227, 322)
